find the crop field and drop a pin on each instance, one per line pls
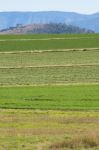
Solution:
(60, 58)
(23, 43)
(49, 92)
(75, 97)
(49, 75)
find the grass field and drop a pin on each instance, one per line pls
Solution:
(49, 92)
(62, 67)
(45, 42)
(85, 97)
(70, 57)
(49, 75)
(48, 130)
(47, 36)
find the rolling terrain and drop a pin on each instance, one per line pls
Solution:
(11, 19)
(49, 92)
(51, 28)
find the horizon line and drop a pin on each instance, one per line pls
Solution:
(29, 11)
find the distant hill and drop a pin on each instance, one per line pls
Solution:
(11, 19)
(51, 28)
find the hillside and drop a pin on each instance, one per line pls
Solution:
(11, 19)
(52, 28)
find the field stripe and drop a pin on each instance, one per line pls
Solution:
(49, 50)
(50, 66)
(44, 39)
(52, 84)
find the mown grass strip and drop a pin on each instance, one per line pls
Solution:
(50, 66)
(49, 44)
(49, 75)
(49, 58)
(71, 97)
(49, 50)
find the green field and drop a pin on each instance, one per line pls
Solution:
(45, 68)
(45, 42)
(36, 129)
(80, 97)
(70, 57)
(49, 75)
(49, 92)
(42, 36)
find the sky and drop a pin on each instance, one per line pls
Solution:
(80, 6)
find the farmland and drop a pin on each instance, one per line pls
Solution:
(49, 92)
(25, 59)
(35, 129)
(74, 97)
(21, 43)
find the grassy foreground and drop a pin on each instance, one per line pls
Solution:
(48, 130)
(64, 114)
(73, 97)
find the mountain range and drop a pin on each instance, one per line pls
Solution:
(12, 19)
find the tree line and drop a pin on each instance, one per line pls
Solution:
(51, 28)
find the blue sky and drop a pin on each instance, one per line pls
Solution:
(81, 6)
